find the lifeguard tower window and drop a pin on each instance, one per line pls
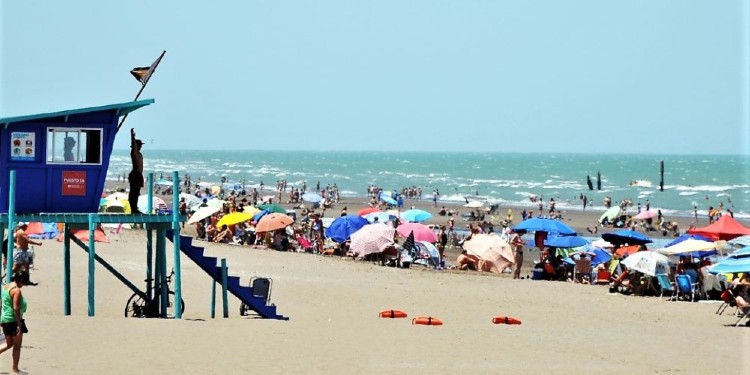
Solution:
(74, 146)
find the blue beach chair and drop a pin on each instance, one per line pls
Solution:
(666, 286)
(685, 287)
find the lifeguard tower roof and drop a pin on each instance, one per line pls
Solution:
(60, 158)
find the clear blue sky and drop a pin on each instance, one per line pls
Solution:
(560, 76)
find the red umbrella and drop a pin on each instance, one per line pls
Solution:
(421, 232)
(367, 210)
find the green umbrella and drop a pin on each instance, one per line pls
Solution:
(610, 214)
(273, 208)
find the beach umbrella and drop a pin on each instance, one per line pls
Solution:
(627, 250)
(421, 232)
(273, 208)
(215, 190)
(492, 249)
(745, 251)
(190, 199)
(158, 203)
(544, 225)
(202, 213)
(251, 210)
(598, 256)
(626, 236)
(416, 215)
(372, 239)
(649, 214)
(273, 221)
(610, 214)
(344, 226)
(739, 261)
(312, 197)
(689, 246)
(473, 204)
(233, 218)
(258, 215)
(367, 210)
(741, 241)
(382, 217)
(214, 202)
(566, 241)
(387, 199)
(647, 262)
(687, 237)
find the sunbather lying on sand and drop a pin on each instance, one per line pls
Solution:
(467, 262)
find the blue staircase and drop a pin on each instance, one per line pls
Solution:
(244, 293)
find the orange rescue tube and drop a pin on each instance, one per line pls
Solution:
(505, 320)
(427, 321)
(392, 314)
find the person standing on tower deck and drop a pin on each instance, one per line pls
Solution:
(135, 178)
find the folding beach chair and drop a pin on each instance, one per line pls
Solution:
(727, 298)
(582, 271)
(666, 286)
(261, 288)
(685, 287)
(743, 312)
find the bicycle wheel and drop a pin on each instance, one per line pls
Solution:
(137, 307)
(171, 305)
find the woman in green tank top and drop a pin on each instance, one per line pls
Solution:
(11, 317)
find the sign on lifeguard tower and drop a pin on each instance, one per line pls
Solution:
(60, 158)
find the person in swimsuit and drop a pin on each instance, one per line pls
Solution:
(11, 319)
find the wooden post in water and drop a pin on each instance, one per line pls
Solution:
(661, 174)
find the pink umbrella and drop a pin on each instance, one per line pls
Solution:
(421, 232)
(493, 250)
(373, 238)
(646, 215)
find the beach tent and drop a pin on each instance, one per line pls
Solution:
(726, 228)
(45, 231)
(83, 235)
(426, 254)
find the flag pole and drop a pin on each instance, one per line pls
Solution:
(143, 86)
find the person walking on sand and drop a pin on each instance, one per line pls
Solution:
(22, 257)
(11, 318)
(135, 178)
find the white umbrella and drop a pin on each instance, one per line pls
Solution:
(202, 213)
(158, 203)
(474, 204)
(602, 244)
(190, 199)
(372, 238)
(648, 262)
(688, 246)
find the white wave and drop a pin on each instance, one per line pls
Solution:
(703, 188)
(686, 193)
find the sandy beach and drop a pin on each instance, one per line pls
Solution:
(333, 305)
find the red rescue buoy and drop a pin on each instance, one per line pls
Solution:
(392, 314)
(427, 321)
(505, 320)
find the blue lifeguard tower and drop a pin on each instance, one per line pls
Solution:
(53, 167)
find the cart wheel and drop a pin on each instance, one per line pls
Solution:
(243, 309)
(136, 307)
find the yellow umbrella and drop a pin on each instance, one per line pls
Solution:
(251, 210)
(233, 218)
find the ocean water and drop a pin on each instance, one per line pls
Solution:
(689, 180)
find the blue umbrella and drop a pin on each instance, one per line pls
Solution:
(312, 197)
(259, 215)
(685, 237)
(344, 226)
(416, 215)
(545, 225)
(745, 251)
(598, 257)
(732, 264)
(626, 236)
(387, 199)
(566, 241)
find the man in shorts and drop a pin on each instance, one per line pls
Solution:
(22, 255)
